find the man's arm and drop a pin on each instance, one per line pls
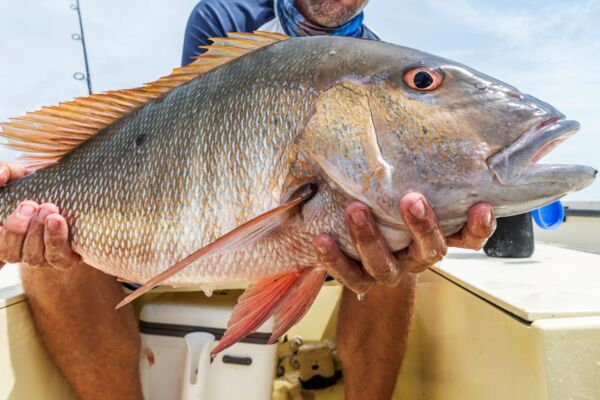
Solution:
(372, 331)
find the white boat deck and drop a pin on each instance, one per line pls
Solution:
(554, 283)
(10, 285)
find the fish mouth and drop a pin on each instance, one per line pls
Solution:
(517, 164)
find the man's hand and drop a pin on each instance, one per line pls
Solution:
(35, 234)
(382, 266)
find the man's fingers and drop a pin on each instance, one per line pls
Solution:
(13, 231)
(10, 172)
(372, 249)
(428, 245)
(346, 271)
(480, 225)
(58, 251)
(33, 246)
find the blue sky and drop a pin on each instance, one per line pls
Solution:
(550, 49)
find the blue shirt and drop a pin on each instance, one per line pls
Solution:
(215, 18)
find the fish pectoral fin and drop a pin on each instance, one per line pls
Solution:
(288, 296)
(242, 235)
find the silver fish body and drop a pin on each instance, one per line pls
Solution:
(231, 144)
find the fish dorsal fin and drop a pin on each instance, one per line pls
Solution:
(45, 136)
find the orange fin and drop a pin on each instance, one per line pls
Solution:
(45, 136)
(240, 236)
(255, 306)
(297, 302)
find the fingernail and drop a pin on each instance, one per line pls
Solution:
(359, 217)
(417, 209)
(3, 174)
(487, 218)
(42, 214)
(322, 250)
(26, 210)
(52, 224)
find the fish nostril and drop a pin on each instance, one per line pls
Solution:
(515, 94)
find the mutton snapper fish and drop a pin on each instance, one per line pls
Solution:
(223, 171)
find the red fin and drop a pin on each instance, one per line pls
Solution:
(240, 236)
(255, 306)
(297, 302)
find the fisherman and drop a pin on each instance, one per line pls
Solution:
(97, 348)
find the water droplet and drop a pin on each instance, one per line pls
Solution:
(480, 86)
(207, 291)
(360, 297)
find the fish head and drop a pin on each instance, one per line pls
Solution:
(404, 120)
(462, 137)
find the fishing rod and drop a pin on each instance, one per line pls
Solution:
(81, 37)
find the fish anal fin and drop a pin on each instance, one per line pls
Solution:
(57, 130)
(256, 305)
(297, 302)
(241, 236)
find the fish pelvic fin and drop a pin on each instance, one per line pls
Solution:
(45, 136)
(288, 296)
(241, 236)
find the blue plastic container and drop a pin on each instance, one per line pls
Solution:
(550, 216)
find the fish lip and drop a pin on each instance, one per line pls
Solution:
(560, 129)
(517, 163)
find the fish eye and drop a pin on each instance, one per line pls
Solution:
(423, 78)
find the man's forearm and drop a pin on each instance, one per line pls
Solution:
(372, 335)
